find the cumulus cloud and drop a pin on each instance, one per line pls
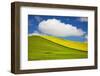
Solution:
(83, 19)
(39, 19)
(86, 36)
(55, 27)
(34, 33)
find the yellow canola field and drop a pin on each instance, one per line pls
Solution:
(68, 43)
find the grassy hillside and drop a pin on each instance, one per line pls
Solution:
(68, 43)
(40, 48)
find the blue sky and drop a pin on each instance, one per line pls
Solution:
(78, 22)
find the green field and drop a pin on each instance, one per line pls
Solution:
(40, 48)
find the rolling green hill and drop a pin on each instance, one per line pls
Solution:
(40, 48)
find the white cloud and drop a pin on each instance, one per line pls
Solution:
(34, 33)
(38, 18)
(86, 36)
(55, 27)
(83, 19)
